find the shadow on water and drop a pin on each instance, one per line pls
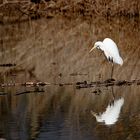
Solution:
(57, 51)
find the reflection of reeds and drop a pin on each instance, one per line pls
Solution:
(75, 108)
(31, 111)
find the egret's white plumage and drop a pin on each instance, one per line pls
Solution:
(109, 47)
(111, 115)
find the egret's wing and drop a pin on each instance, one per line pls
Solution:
(111, 50)
(111, 47)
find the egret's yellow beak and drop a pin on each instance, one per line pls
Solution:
(92, 49)
(93, 113)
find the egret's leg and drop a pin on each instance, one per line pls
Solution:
(112, 91)
(112, 70)
(113, 96)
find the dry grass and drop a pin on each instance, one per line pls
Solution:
(46, 48)
(16, 10)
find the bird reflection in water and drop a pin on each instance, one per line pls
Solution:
(111, 115)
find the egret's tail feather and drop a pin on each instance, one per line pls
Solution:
(119, 61)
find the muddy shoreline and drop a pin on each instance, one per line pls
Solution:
(78, 85)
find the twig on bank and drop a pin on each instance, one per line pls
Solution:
(79, 85)
(106, 83)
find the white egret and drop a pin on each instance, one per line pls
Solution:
(111, 115)
(110, 49)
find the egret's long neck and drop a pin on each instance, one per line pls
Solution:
(101, 45)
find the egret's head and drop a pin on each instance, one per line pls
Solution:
(98, 117)
(97, 45)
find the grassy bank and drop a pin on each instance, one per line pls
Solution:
(15, 10)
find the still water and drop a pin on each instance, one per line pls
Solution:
(57, 51)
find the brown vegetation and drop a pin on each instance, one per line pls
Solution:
(15, 10)
(57, 51)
